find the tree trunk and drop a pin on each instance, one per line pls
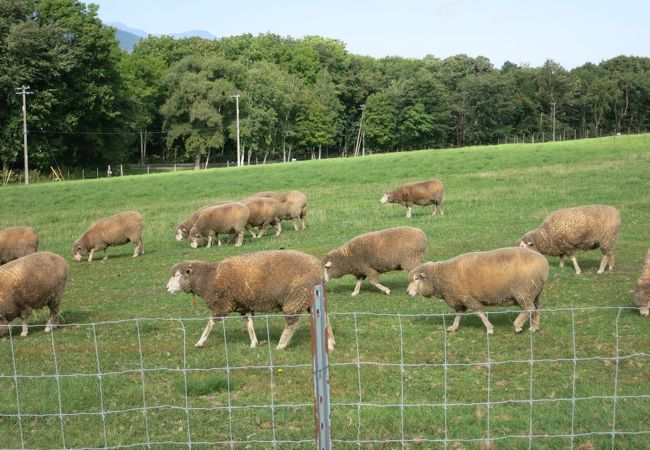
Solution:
(197, 160)
(319, 151)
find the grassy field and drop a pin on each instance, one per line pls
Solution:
(391, 350)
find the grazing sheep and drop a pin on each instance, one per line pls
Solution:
(293, 206)
(506, 276)
(30, 283)
(370, 254)
(565, 231)
(183, 230)
(421, 193)
(263, 214)
(276, 280)
(115, 230)
(642, 290)
(226, 218)
(17, 242)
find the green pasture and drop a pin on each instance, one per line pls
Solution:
(391, 350)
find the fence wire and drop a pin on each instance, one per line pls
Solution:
(396, 380)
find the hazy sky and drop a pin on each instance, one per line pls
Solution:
(570, 32)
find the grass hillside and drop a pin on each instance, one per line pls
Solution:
(493, 195)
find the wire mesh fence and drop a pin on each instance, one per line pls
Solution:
(396, 381)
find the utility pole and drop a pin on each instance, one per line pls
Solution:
(24, 90)
(553, 121)
(358, 143)
(236, 97)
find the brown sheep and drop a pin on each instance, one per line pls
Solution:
(263, 214)
(642, 290)
(16, 242)
(565, 231)
(421, 193)
(269, 281)
(183, 230)
(370, 254)
(115, 230)
(30, 283)
(293, 206)
(507, 276)
(226, 218)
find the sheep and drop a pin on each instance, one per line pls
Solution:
(16, 242)
(226, 218)
(642, 290)
(565, 231)
(421, 193)
(505, 276)
(115, 230)
(370, 254)
(268, 281)
(293, 206)
(263, 214)
(183, 230)
(30, 283)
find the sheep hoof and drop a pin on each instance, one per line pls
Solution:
(253, 345)
(533, 329)
(198, 345)
(387, 292)
(490, 331)
(354, 294)
(23, 334)
(280, 347)
(601, 271)
(644, 312)
(518, 329)
(452, 329)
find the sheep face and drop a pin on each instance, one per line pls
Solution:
(180, 279)
(418, 283)
(182, 233)
(386, 198)
(527, 241)
(79, 251)
(333, 265)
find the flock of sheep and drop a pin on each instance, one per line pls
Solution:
(282, 280)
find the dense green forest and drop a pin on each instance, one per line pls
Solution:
(172, 100)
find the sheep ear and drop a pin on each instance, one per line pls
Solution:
(328, 264)
(422, 276)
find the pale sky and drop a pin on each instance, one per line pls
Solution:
(571, 32)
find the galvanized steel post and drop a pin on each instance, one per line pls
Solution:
(320, 369)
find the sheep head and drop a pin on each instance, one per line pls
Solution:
(196, 238)
(419, 282)
(527, 240)
(181, 275)
(333, 265)
(79, 250)
(387, 198)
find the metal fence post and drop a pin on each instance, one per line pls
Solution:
(320, 369)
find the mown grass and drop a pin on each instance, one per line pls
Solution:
(382, 360)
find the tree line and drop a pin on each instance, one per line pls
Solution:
(173, 100)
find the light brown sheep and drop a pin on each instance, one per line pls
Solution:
(263, 214)
(30, 283)
(370, 254)
(226, 218)
(183, 230)
(507, 276)
(642, 290)
(115, 230)
(16, 242)
(293, 206)
(421, 193)
(269, 281)
(568, 230)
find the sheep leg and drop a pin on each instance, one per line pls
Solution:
(278, 228)
(105, 258)
(454, 326)
(291, 325)
(488, 326)
(263, 229)
(248, 318)
(575, 264)
(441, 209)
(250, 230)
(240, 239)
(408, 212)
(611, 262)
(206, 333)
(561, 260)
(331, 342)
(25, 329)
(381, 287)
(603, 262)
(90, 255)
(534, 323)
(520, 321)
(296, 223)
(357, 288)
(52, 321)
(210, 240)
(435, 207)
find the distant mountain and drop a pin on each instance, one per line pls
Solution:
(128, 36)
